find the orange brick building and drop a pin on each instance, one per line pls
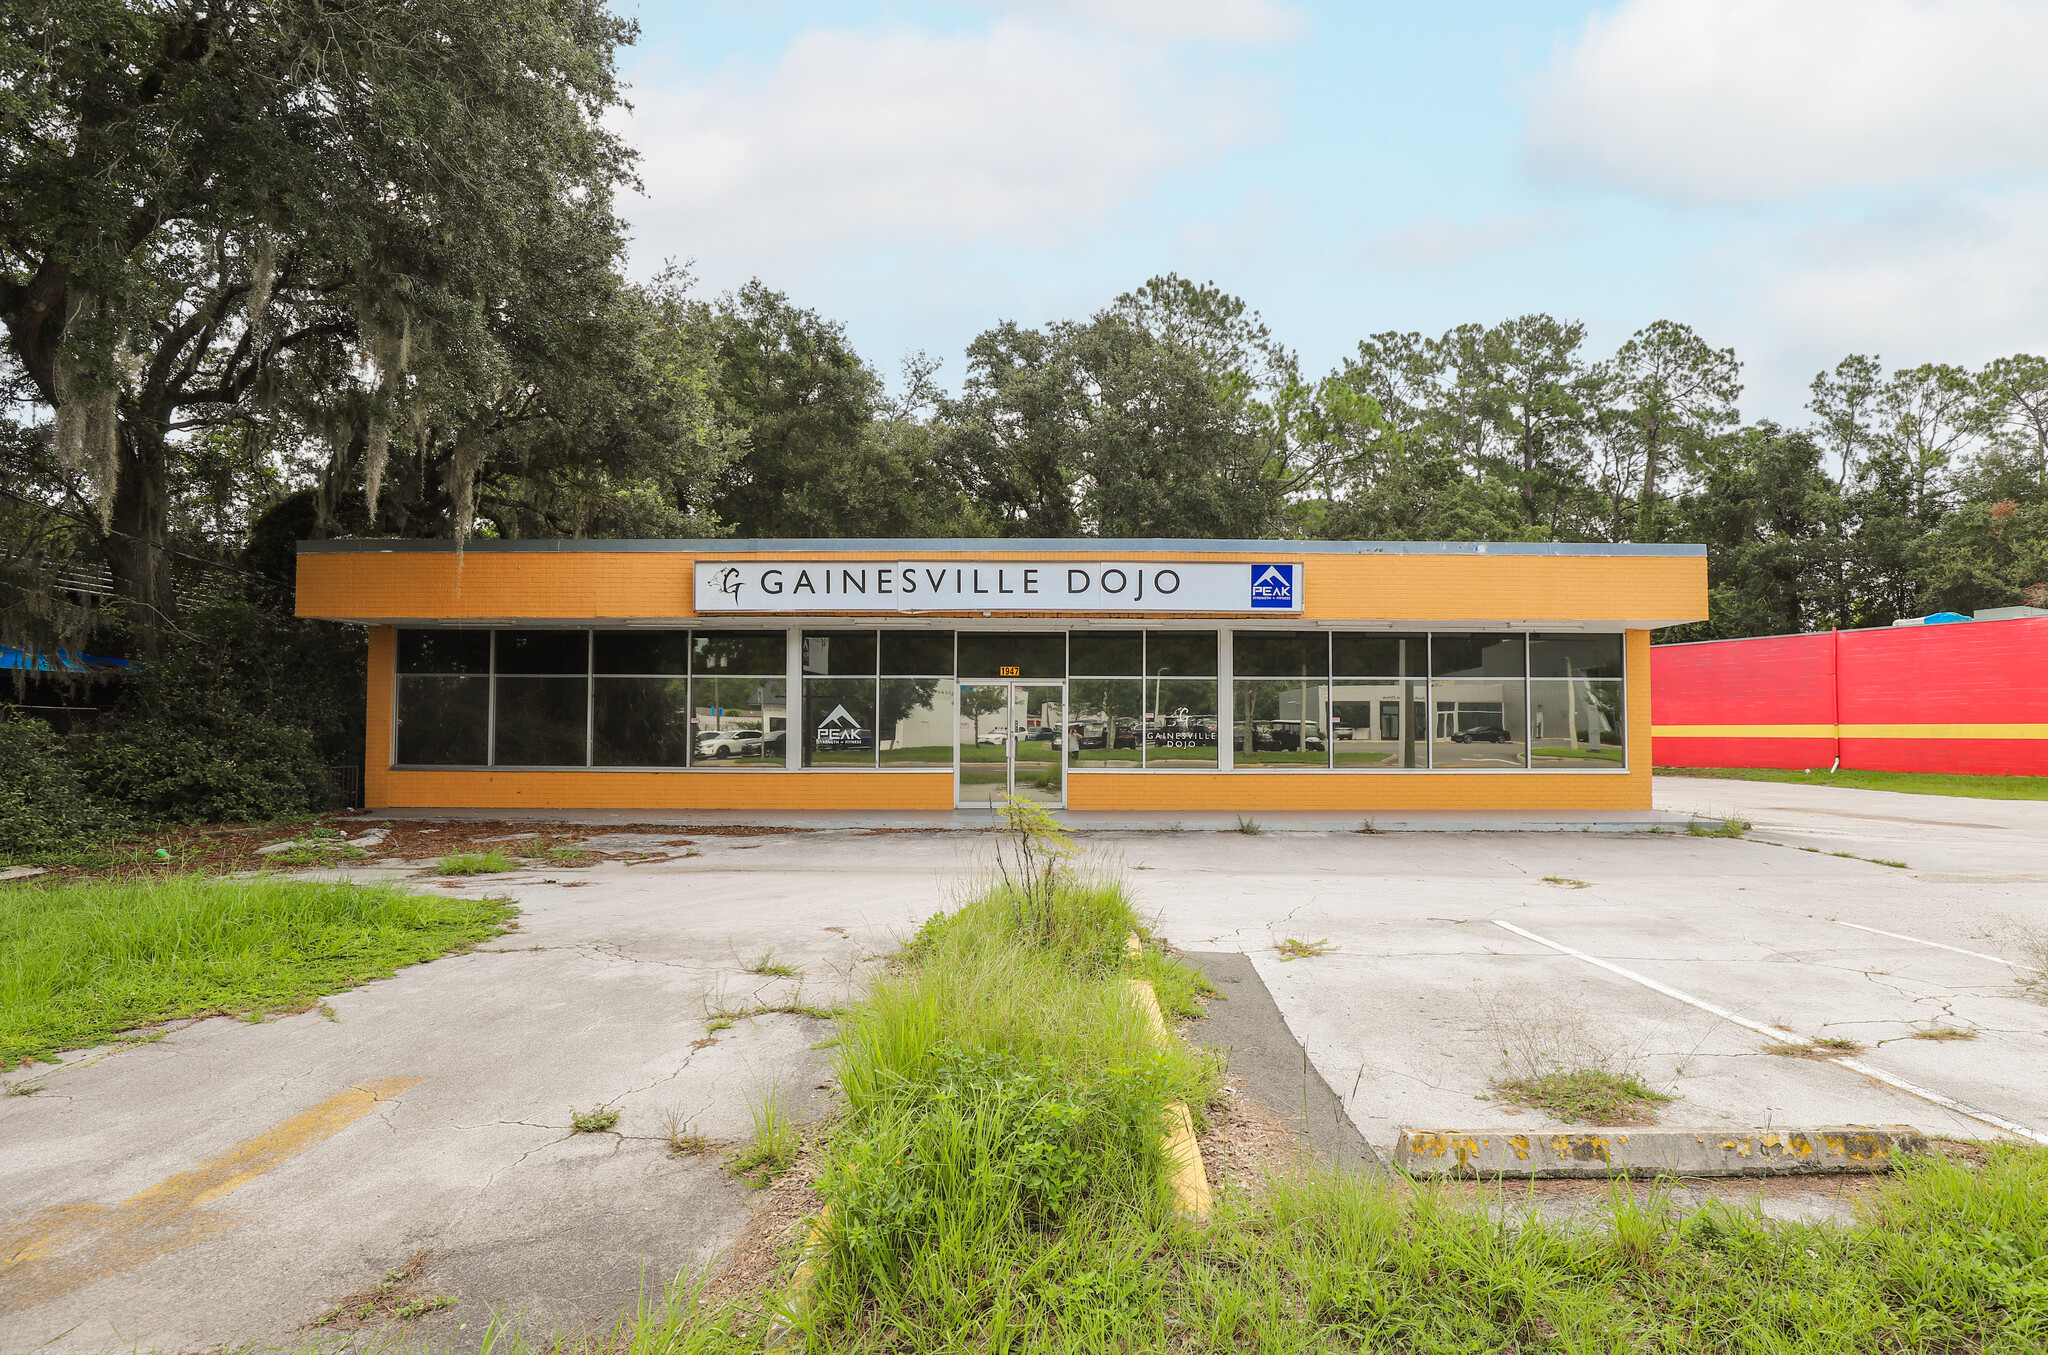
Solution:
(1085, 674)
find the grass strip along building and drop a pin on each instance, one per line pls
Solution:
(1102, 675)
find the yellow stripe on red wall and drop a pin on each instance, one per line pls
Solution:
(2021, 731)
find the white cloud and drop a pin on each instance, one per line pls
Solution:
(1440, 244)
(1952, 277)
(1219, 21)
(856, 140)
(1760, 100)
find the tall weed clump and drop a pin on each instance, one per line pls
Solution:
(1003, 1093)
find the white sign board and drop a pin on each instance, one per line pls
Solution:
(791, 586)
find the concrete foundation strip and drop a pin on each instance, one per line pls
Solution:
(1852, 1064)
(1656, 1152)
(1921, 941)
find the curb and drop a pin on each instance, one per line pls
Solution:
(1826, 1150)
(1190, 1180)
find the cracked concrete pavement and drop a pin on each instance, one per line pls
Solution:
(601, 998)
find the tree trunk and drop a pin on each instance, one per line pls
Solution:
(139, 525)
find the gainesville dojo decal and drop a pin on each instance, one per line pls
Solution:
(1000, 586)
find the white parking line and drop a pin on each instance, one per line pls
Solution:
(1853, 1065)
(1920, 941)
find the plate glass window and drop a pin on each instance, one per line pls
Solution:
(1180, 719)
(1280, 714)
(1478, 702)
(1379, 709)
(541, 701)
(640, 698)
(443, 698)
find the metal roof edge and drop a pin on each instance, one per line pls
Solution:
(1002, 544)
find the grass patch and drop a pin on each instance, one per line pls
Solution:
(1718, 827)
(1294, 948)
(1820, 1047)
(1944, 1033)
(1910, 783)
(1250, 826)
(1565, 882)
(596, 1120)
(769, 967)
(1003, 1106)
(492, 862)
(1585, 1096)
(82, 962)
(773, 1149)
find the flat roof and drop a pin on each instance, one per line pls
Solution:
(1003, 544)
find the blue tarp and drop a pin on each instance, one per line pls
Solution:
(13, 657)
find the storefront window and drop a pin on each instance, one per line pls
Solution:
(1478, 724)
(444, 698)
(839, 722)
(915, 722)
(1281, 699)
(1107, 715)
(917, 653)
(1379, 705)
(840, 653)
(444, 721)
(1575, 656)
(1577, 724)
(640, 721)
(1181, 708)
(1477, 656)
(640, 698)
(740, 721)
(541, 701)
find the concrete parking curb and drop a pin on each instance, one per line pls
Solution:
(1657, 1152)
(1188, 1177)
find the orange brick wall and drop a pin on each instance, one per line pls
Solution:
(368, 586)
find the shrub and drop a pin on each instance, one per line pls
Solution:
(45, 806)
(188, 757)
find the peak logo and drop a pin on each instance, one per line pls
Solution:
(1276, 587)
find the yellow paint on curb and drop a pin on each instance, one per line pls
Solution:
(1189, 1179)
(66, 1247)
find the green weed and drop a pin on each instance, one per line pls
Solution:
(492, 862)
(81, 962)
(768, 967)
(1944, 1033)
(1249, 826)
(1718, 827)
(1565, 882)
(774, 1147)
(1294, 948)
(1586, 1096)
(596, 1120)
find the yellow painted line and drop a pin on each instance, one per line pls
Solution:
(2022, 731)
(69, 1246)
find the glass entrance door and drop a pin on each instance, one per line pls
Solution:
(1013, 741)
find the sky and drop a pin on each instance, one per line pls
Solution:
(1797, 179)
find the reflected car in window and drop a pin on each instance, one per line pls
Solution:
(731, 743)
(1483, 734)
(1284, 736)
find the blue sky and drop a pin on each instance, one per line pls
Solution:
(1799, 179)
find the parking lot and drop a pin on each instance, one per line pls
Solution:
(455, 1081)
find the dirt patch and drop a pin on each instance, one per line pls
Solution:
(400, 1296)
(220, 849)
(774, 1237)
(1245, 1143)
